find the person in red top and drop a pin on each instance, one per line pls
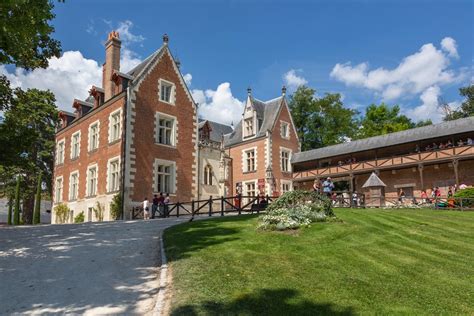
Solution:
(154, 206)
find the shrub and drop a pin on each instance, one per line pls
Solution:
(99, 212)
(295, 209)
(467, 195)
(62, 212)
(79, 218)
(116, 207)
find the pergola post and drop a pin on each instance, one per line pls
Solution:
(456, 171)
(420, 170)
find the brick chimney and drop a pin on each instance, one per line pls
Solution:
(112, 63)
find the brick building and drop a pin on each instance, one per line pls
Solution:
(135, 136)
(403, 161)
(260, 148)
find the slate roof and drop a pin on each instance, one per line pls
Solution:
(266, 110)
(373, 181)
(459, 126)
(138, 69)
(217, 129)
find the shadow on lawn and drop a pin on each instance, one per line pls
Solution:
(182, 241)
(264, 302)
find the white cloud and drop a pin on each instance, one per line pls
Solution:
(124, 30)
(429, 108)
(415, 73)
(128, 58)
(188, 78)
(449, 45)
(219, 105)
(292, 80)
(68, 77)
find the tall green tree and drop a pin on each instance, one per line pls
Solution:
(10, 211)
(383, 119)
(28, 132)
(467, 107)
(321, 121)
(37, 212)
(25, 38)
(16, 212)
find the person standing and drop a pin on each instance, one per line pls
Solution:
(316, 187)
(161, 204)
(166, 203)
(154, 206)
(328, 186)
(146, 214)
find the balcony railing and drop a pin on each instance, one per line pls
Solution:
(415, 159)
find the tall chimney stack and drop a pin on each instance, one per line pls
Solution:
(112, 63)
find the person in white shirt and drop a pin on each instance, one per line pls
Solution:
(469, 141)
(146, 214)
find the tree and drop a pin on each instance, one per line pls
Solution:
(25, 37)
(467, 107)
(321, 121)
(10, 211)
(383, 119)
(16, 214)
(116, 206)
(28, 132)
(37, 212)
(26, 33)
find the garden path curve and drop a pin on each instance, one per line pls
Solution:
(90, 268)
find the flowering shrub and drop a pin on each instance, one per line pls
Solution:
(295, 209)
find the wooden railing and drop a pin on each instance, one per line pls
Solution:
(213, 206)
(441, 155)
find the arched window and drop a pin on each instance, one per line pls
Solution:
(208, 175)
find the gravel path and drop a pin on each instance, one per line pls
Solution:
(101, 268)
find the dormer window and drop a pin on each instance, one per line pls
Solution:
(248, 127)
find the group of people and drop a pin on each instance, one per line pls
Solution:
(448, 144)
(159, 204)
(347, 161)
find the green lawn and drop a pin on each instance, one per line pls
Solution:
(373, 261)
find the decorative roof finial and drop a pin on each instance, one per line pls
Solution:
(178, 62)
(165, 39)
(283, 90)
(249, 91)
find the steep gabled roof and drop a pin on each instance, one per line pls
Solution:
(217, 129)
(267, 111)
(463, 125)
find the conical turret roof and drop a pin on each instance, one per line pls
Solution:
(373, 181)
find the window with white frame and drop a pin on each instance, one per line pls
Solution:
(166, 90)
(58, 190)
(73, 185)
(165, 176)
(208, 175)
(113, 174)
(115, 126)
(75, 145)
(250, 160)
(60, 152)
(285, 130)
(285, 186)
(92, 181)
(285, 156)
(94, 136)
(248, 127)
(165, 129)
(250, 190)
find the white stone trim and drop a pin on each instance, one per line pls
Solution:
(79, 147)
(174, 173)
(110, 140)
(172, 93)
(57, 201)
(89, 135)
(70, 198)
(63, 142)
(91, 166)
(107, 180)
(282, 149)
(174, 130)
(244, 159)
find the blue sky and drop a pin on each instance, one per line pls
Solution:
(370, 51)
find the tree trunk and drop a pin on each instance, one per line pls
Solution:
(28, 206)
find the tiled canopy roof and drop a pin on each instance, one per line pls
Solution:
(463, 125)
(373, 181)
